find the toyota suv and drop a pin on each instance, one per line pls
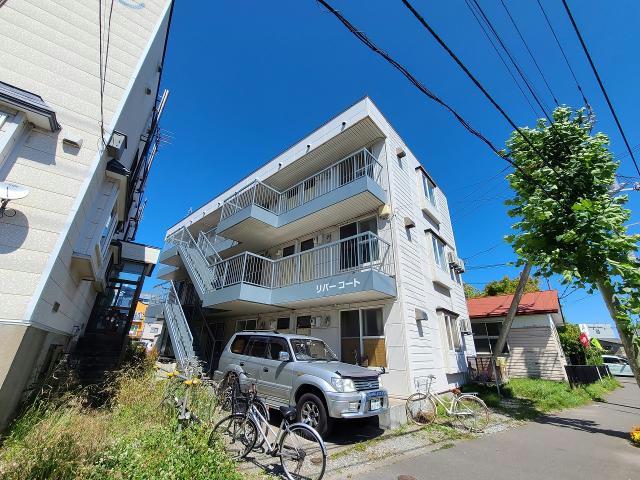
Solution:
(302, 371)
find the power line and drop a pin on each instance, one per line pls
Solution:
(493, 265)
(564, 55)
(495, 48)
(526, 45)
(414, 81)
(513, 61)
(495, 104)
(604, 92)
(103, 66)
(490, 249)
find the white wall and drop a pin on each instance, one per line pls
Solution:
(51, 49)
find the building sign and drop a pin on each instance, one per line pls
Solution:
(327, 287)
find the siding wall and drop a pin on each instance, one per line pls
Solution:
(51, 49)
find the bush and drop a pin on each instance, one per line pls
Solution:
(131, 439)
(570, 340)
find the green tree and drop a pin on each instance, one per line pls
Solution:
(471, 292)
(568, 223)
(507, 286)
(569, 335)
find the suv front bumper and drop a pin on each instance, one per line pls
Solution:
(356, 404)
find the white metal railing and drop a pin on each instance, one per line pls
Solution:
(359, 164)
(194, 256)
(177, 326)
(365, 251)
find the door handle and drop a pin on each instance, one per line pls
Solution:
(265, 369)
(242, 364)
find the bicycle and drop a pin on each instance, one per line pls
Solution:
(302, 452)
(422, 407)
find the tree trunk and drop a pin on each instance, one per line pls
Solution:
(511, 314)
(630, 347)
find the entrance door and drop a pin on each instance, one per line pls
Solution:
(348, 248)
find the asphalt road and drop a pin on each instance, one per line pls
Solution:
(584, 443)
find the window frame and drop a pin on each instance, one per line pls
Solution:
(488, 337)
(361, 337)
(440, 259)
(109, 229)
(452, 331)
(429, 190)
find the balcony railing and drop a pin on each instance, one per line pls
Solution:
(341, 173)
(362, 252)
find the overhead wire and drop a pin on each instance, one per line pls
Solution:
(604, 91)
(504, 62)
(103, 24)
(564, 55)
(526, 46)
(472, 77)
(526, 81)
(413, 80)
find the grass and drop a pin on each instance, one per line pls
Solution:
(131, 438)
(527, 398)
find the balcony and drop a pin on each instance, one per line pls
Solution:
(259, 215)
(354, 269)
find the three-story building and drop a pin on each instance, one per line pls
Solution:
(344, 236)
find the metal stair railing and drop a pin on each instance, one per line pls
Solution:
(176, 322)
(202, 274)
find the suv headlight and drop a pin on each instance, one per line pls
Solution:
(343, 385)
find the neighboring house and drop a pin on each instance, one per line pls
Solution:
(613, 346)
(146, 330)
(598, 330)
(533, 346)
(344, 236)
(69, 265)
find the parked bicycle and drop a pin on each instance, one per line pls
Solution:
(423, 406)
(302, 452)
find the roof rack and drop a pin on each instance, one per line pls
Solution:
(266, 330)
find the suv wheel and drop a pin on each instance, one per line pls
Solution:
(311, 411)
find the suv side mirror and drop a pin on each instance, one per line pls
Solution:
(283, 356)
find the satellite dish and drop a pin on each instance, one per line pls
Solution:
(8, 192)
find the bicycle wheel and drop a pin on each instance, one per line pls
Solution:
(237, 433)
(302, 453)
(262, 408)
(472, 413)
(420, 409)
(229, 387)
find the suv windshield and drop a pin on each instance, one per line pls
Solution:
(311, 349)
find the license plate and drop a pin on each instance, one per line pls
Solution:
(376, 404)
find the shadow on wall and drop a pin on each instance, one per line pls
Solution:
(13, 231)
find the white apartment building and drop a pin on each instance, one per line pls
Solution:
(344, 236)
(69, 265)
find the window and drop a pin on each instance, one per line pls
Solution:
(429, 189)
(245, 325)
(154, 330)
(358, 250)
(239, 343)
(277, 345)
(283, 323)
(257, 347)
(288, 251)
(303, 325)
(439, 253)
(108, 229)
(453, 332)
(362, 337)
(485, 336)
(306, 245)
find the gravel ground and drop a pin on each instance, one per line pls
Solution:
(410, 440)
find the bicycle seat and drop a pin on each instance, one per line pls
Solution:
(288, 412)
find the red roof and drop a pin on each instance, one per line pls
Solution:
(545, 301)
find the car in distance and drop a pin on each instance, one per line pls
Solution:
(302, 371)
(617, 365)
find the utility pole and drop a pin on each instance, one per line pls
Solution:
(511, 314)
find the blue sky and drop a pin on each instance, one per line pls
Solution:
(250, 78)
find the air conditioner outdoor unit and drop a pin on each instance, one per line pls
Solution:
(465, 325)
(456, 263)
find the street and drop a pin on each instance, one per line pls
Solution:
(586, 442)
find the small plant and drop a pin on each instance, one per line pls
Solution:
(635, 435)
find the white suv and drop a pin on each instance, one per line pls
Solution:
(301, 371)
